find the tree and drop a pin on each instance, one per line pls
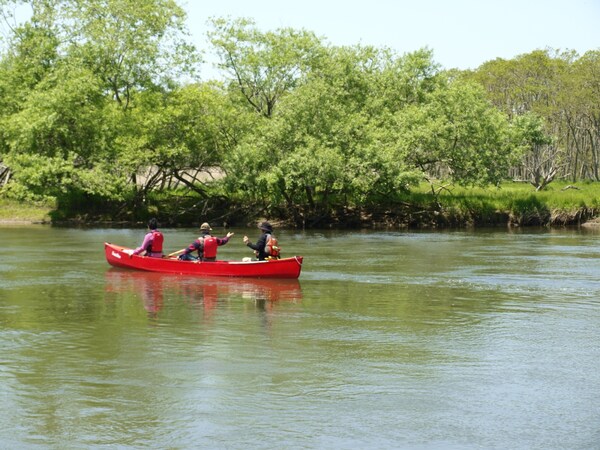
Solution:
(317, 152)
(541, 158)
(581, 115)
(178, 135)
(130, 45)
(456, 135)
(263, 66)
(366, 125)
(561, 89)
(76, 67)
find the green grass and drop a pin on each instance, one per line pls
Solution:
(519, 200)
(555, 196)
(13, 211)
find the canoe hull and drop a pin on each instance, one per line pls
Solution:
(280, 268)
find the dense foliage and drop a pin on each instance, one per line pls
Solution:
(560, 94)
(101, 106)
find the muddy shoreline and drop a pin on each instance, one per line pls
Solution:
(383, 220)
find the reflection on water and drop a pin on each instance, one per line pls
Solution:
(199, 292)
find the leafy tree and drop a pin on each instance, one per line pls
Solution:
(307, 156)
(263, 66)
(131, 45)
(456, 134)
(171, 138)
(541, 156)
(366, 125)
(581, 115)
(77, 66)
(561, 89)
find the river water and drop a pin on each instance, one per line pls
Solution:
(483, 339)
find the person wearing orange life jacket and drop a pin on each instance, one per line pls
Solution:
(265, 240)
(206, 245)
(153, 242)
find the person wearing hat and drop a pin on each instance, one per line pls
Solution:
(259, 247)
(206, 245)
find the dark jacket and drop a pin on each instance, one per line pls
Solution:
(259, 247)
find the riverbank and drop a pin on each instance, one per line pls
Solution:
(20, 213)
(511, 205)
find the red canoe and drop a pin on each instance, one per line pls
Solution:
(278, 268)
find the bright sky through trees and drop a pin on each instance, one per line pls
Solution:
(462, 33)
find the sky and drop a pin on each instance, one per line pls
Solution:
(463, 34)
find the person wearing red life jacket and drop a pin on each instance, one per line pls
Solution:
(206, 245)
(153, 242)
(260, 248)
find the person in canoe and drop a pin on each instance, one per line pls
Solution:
(153, 242)
(206, 245)
(266, 246)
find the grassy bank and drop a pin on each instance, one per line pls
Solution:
(512, 204)
(13, 211)
(561, 203)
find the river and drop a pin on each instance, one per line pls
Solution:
(484, 339)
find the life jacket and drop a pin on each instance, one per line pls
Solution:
(209, 247)
(272, 248)
(157, 242)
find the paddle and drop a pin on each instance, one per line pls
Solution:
(176, 253)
